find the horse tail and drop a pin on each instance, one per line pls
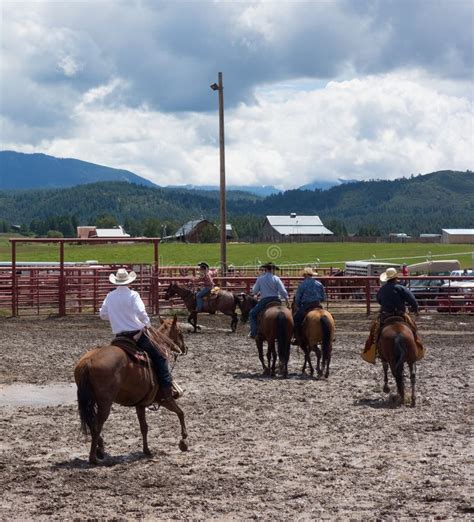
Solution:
(400, 354)
(283, 344)
(86, 401)
(326, 343)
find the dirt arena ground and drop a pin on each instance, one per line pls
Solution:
(259, 448)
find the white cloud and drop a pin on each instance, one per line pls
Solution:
(381, 126)
(324, 90)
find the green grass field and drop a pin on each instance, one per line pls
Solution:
(328, 254)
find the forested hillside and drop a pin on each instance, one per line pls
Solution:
(411, 205)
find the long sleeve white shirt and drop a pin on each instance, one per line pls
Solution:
(125, 310)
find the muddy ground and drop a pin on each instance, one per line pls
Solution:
(304, 448)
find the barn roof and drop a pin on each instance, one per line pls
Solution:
(462, 231)
(111, 232)
(185, 229)
(294, 224)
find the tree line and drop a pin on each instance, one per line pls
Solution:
(414, 205)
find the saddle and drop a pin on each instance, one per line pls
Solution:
(313, 306)
(210, 300)
(271, 304)
(130, 347)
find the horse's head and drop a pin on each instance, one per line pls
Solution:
(170, 291)
(246, 303)
(171, 329)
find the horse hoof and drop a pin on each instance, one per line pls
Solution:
(100, 454)
(386, 389)
(147, 452)
(183, 445)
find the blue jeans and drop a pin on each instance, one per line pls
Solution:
(256, 310)
(162, 370)
(199, 298)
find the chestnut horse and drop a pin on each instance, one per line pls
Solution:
(105, 375)
(225, 302)
(275, 325)
(318, 327)
(396, 345)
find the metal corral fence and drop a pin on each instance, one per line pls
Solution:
(46, 290)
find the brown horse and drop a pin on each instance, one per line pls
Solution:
(275, 326)
(106, 375)
(318, 328)
(225, 302)
(396, 345)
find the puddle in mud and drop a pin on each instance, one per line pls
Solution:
(22, 394)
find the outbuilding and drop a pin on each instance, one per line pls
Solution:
(457, 235)
(294, 228)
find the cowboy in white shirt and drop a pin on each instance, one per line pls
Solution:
(127, 315)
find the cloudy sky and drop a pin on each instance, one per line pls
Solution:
(318, 90)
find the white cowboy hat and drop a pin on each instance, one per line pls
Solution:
(390, 273)
(122, 277)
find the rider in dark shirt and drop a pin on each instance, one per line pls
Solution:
(393, 298)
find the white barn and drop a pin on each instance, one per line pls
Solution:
(457, 235)
(294, 227)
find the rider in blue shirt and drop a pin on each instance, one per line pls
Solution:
(309, 295)
(270, 288)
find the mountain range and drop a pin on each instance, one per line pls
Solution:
(418, 204)
(29, 171)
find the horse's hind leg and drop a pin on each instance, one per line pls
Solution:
(386, 387)
(100, 448)
(318, 360)
(234, 322)
(272, 355)
(259, 343)
(412, 367)
(141, 414)
(327, 361)
(172, 405)
(97, 443)
(307, 359)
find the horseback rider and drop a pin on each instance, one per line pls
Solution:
(309, 295)
(392, 297)
(270, 288)
(205, 279)
(127, 315)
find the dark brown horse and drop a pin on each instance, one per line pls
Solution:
(275, 326)
(225, 302)
(318, 328)
(396, 346)
(106, 375)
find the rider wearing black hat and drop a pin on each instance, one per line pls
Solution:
(270, 288)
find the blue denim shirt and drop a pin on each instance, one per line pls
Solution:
(269, 285)
(308, 291)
